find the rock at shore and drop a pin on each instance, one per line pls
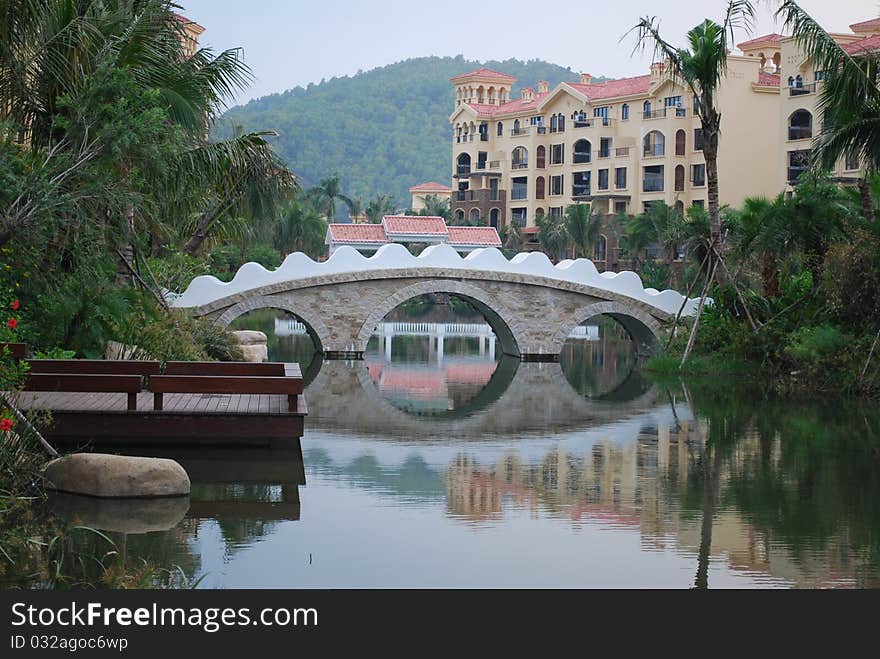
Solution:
(117, 476)
(254, 345)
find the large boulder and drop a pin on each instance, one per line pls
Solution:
(116, 476)
(254, 345)
(120, 515)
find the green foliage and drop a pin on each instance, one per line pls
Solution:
(301, 228)
(175, 271)
(382, 131)
(225, 261)
(852, 280)
(654, 275)
(814, 345)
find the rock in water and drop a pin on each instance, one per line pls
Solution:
(254, 345)
(120, 515)
(116, 476)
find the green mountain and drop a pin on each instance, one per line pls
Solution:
(383, 130)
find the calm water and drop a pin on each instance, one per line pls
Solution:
(440, 462)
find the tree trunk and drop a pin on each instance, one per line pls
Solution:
(194, 244)
(710, 152)
(867, 200)
(710, 495)
(770, 275)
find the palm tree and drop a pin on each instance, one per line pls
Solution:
(583, 229)
(553, 235)
(759, 230)
(663, 225)
(701, 67)
(379, 207)
(436, 207)
(849, 99)
(301, 228)
(511, 238)
(326, 193)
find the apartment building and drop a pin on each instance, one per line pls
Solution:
(623, 144)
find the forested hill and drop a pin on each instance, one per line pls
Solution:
(382, 130)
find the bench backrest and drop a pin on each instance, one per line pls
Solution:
(224, 384)
(241, 369)
(94, 367)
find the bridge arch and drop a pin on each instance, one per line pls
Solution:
(643, 328)
(314, 325)
(504, 326)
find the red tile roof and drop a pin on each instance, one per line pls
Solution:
(866, 45)
(408, 225)
(489, 74)
(187, 21)
(483, 236)
(513, 107)
(357, 233)
(864, 26)
(768, 80)
(614, 88)
(760, 41)
(431, 186)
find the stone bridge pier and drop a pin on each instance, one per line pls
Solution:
(531, 316)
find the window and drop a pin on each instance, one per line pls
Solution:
(582, 152)
(581, 186)
(852, 161)
(556, 211)
(516, 127)
(620, 178)
(800, 125)
(602, 113)
(698, 139)
(561, 123)
(459, 216)
(475, 216)
(484, 132)
(680, 142)
(798, 163)
(821, 75)
(553, 124)
(539, 188)
(698, 176)
(696, 106)
(482, 156)
(557, 154)
(699, 203)
(464, 165)
(541, 158)
(601, 250)
(679, 178)
(603, 179)
(620, 207)
(500, 130)
(537, 120)
(646, 109)
(624, 112)
(799, 81)
(520, 188)
(494, 217)
(674, 102)
(655, 144)
(518, 216)
(520, 158)
(605, 147)
(556, 185)
(653, 180)
(493, 189)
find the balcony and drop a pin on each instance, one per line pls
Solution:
(519, 165)
(656, 114)
(654, 152)
(490, 166)
(463, 170)
(578, 191)
(802, 90)
(653, 183)
(462, 139)
(582, 121)
(484, 137)
(481, 196)
(520, 132)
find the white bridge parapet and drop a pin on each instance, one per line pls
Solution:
(439, 259)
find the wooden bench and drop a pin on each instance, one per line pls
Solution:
(94, 367)
(89, 383)
(226, 384)
(242, 369)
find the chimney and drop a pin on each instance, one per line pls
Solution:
(586, 79)
(543, 87)
(657, 70)
(528, 94)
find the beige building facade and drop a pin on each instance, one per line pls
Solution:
(623, 144)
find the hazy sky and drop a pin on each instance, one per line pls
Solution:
(295, 42)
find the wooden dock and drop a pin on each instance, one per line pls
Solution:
(203, 404)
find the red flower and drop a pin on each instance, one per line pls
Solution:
(15, 305)
(12, 323)
(5, 425)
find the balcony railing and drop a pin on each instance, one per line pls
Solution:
(490, 166)
(802, 90)
(582, 157)
(655, 114)
(654, 152)
(484, 137)
(799, 133)
(589, 122)
(519, 132)
(653, 183)
(580, 191)
(463, 170)
(520, 165)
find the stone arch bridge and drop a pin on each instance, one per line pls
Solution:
(531, 304)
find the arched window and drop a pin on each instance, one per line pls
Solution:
(494, 217)
(582, 151)
(680, 142)
(799, 81)
(539, 188)
(480, 95)
(464, 165)
(516, 126)
(655, 144)
(475, 216)
(800, 125)
(539, 212)
(624, 112)
(520, 158)
(679, 178)
(459, 216)
(647, 109)
(561, 123)
(541, 157)
(790, 81)
(600, 253)
(500, 129)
